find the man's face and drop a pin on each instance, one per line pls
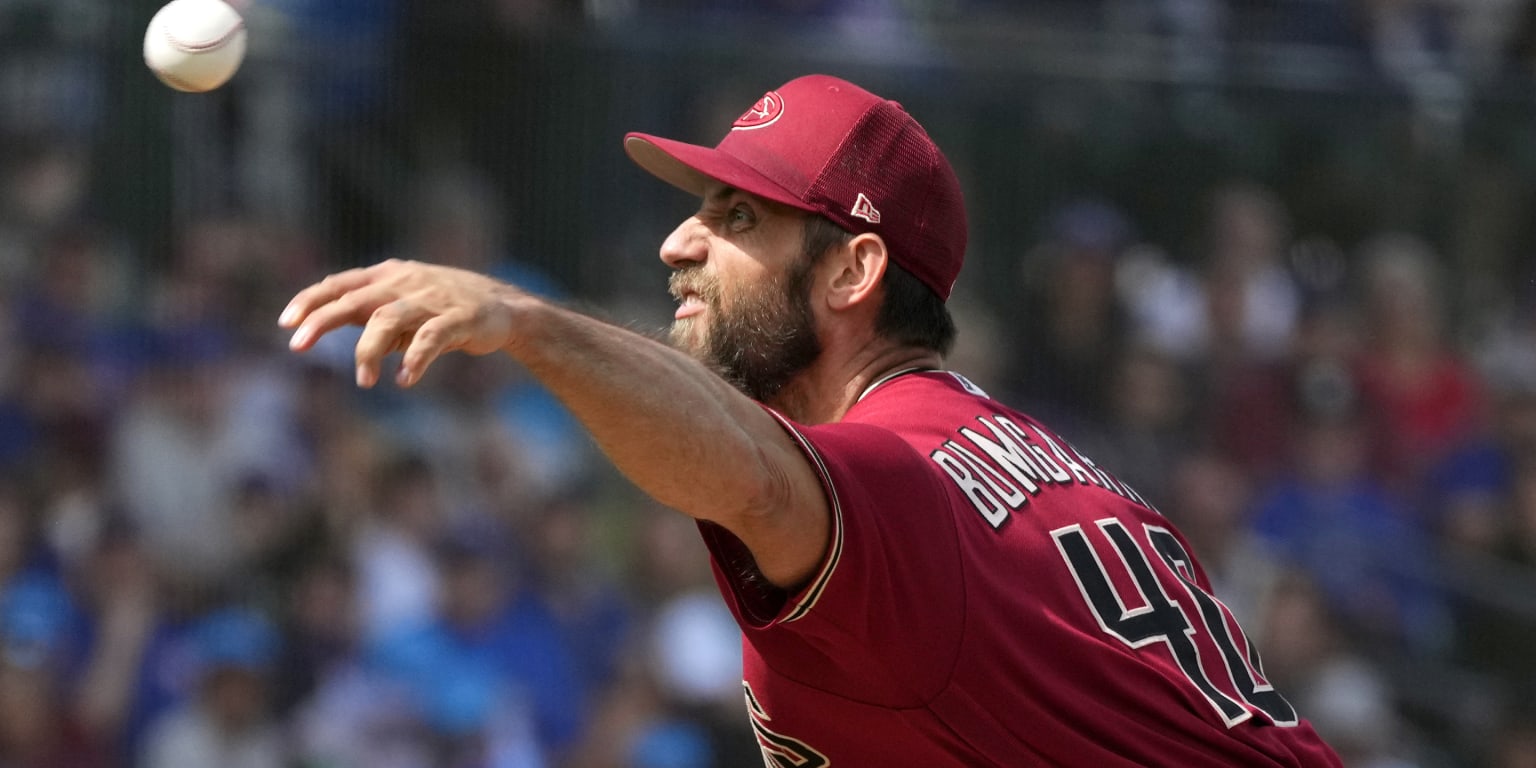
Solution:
(743, 281)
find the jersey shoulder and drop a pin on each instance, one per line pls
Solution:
(998, 458)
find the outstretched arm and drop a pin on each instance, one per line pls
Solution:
(675, 429)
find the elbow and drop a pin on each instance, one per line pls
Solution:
(766, 492)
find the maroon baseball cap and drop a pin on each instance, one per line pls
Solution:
(827, 146)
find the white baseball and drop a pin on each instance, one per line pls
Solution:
(195, 45)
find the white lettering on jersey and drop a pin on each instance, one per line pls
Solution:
(1006, 491)
(1010, 455)
(1003, 468)
(980, 495)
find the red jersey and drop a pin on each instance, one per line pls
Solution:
(990, 597)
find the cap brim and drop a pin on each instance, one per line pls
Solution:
(690, 167)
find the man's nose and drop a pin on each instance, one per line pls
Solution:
(688, 244)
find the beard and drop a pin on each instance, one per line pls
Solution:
(765, 338)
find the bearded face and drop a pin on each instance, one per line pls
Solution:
(757, 336)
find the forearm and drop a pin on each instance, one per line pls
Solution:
(679, 432)
(675, 429)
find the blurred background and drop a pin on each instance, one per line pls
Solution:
(1268, 260)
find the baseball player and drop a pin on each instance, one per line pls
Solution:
(922, 575)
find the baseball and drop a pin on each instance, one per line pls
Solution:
(195, 45)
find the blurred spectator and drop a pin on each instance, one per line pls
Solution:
(569, 586)
(118, 694)
(634, 726)
(458, 217)
(39, 620)
(227, 271)
(320, 628)
(1241, 305)
(1411, 40)
(481, 461)
(351, 45)
(173, 459)
(343, 713)
(345, 453)
(1368, 555)
(1197, 32)
(1522, 43)
(227, 722)
(75, 305)
(695, 657)
(1210, 499)
(1144, 430)
(489, 677)
(43, 185)
(1505, 354)
(38, 729)
(1497, 629)
(60, 42)
(333, 89)
(1073, 319)
(1255, 418)
(674, 744)
(1423, 398)
(691, 648)
(398, 584)
(881, 31)
(74, 369)
(1514, 745)
(1470, 488)
(1252, 298)
(1482, 32)
(205, 415)
(1338, 26)
(673, 579)
(346, 710)
(271, 536)
(1346, 699)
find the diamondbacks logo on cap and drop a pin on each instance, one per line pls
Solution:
(763, 113)
(865, 210)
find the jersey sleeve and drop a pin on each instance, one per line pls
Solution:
(889, 590)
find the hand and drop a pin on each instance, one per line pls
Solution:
(423, 309)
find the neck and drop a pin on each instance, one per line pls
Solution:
(824, 392)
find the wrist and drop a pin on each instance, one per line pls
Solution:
(522, 314)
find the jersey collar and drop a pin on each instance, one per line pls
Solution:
(888, 377)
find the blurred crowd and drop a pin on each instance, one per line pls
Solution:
(1355, 479)
(217, 553)
(213, 553)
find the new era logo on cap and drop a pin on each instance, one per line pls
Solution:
(865, 210)
(823, 142)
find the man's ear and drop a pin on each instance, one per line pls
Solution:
(860, 265)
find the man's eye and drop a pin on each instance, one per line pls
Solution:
(740, 218)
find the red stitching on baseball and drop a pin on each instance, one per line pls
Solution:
(210, 45)
(176, 81)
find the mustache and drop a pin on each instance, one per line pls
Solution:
(693, 280)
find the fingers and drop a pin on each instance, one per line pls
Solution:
(422, 310)
(435, 336)
(328, 290)
(381, 336)
(390, 328)
(345, 298)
